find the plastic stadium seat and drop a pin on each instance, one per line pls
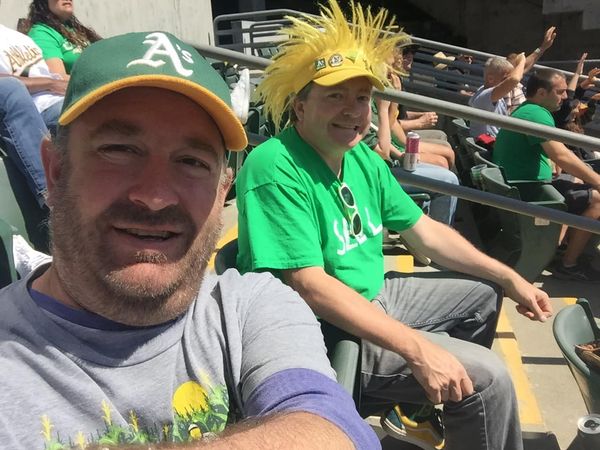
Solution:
(464, 160)
(521, 243)
(343, 349)
(8, 274)
(19, 208)
(461, 128)
(484, 157)
(574, 325)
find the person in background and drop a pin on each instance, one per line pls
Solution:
(526, 157)
(499, 78)
(516, 96)
(421, 122)
(58, 33)
(312, 205)
(575, 105)
(30, 102)
(387, 138)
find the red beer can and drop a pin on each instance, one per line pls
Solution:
(411, 155)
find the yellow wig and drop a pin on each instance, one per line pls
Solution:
(327, 49)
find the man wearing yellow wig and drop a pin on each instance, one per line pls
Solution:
(312, 204)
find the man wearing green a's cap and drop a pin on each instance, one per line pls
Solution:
(122, 339)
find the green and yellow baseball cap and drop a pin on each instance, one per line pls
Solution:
(151, 59)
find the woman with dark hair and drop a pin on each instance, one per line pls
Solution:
(56, 30)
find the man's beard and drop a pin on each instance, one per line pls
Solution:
(89, 274)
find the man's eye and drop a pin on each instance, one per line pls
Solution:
(364, 98)
(117, 150)
(195, 164)
(335, 95)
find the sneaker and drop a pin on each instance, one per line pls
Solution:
(426, 433)
(582, 271)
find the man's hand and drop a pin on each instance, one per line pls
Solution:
(520, 59)
(591, 78)
(548, 40)
(579, 68)
(532, 302)
(58, 87)
(441, 375)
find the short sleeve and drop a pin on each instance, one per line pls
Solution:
(278, 332)
(47, 40)
(280, 229)
(483, 99)
(400, 212)
(541, 117)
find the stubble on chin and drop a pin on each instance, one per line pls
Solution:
(151, 290)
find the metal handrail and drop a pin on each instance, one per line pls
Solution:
(422, 41)
(485, 198)
(431, 104)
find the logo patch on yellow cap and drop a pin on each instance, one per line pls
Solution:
(336, 60)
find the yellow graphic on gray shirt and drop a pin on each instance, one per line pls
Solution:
(199, 411)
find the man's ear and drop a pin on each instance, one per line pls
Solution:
(298, 106)
(52, 161)
(226, 181)
(541, 92)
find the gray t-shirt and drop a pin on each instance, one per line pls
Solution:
(66, 384)
(482, 99)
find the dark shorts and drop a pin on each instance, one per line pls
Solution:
(578, 196)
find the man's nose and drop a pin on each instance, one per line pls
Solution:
(154, 187)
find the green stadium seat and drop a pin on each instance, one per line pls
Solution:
(460, 129)
(575, 325)
(19, 208)
(464, 157)
(483, 157)
(523, 242)
(343, 349)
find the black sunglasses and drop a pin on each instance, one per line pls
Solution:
(350, 204)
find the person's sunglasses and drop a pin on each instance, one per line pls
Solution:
(351, 209)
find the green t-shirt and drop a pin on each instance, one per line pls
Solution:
(291, 215)
(522, 156)
(54, 45)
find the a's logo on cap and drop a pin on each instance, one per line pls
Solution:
(336, 60)
(161, 46)
(320, 64)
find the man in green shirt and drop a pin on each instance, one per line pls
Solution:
(530, 158)
(312, 203)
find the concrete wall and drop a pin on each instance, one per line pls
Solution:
(190, 20)
(590, 10)
(507, 26)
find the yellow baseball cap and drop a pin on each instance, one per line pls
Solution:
(335, 68)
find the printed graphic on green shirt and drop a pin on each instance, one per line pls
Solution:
(292, 214)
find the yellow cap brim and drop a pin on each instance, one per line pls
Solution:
(347, 73)
(229, 125)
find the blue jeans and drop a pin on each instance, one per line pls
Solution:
(21, 133)
(443, 207)
(459, 314)
(50, 117)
